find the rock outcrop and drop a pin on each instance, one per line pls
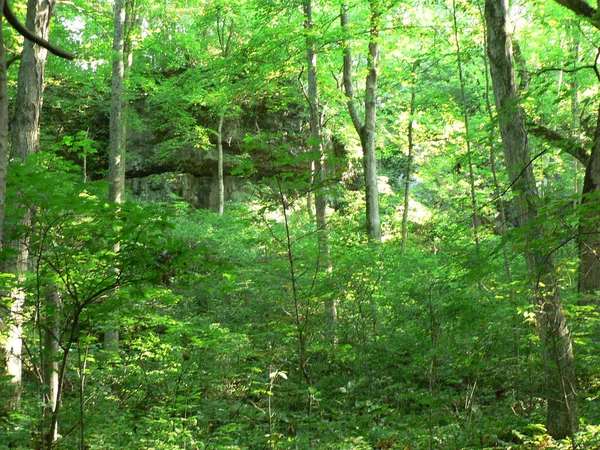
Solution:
(159, 172)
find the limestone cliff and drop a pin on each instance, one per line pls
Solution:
(160, 170)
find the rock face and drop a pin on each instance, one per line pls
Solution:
(160, 171)
(199, 191)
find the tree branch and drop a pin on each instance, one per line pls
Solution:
(12, 60)
(562, 69)
(20, 28)
(582, 8)
(347, 76)
(569, 145)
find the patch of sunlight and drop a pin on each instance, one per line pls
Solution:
(274, 213)
(417, 212)
(383, 185)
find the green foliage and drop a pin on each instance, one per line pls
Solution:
(227, 340)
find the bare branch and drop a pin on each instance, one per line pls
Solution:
(20, 28)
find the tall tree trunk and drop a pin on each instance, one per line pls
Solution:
(316, 141)
(220, 182)
(366, 130)
(3, 172)
(3, 128)
(116, 164)
(225, 33)
(25, 141)
(370, 158)
(554, 334)
(409, 163)
(575, 48)
(116, 169)
(465, 112)
(26, 121)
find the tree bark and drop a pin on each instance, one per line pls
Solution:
(26, 121)
(3, 172)
(316, 142)
(116, 164)
(409, 163)
(370, 158)
(366, 130)
(225, 34)
(220, 182)
(51, 361)
(116, 169)
(554, 334)
(3, 127)
(25, 142)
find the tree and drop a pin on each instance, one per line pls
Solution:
(410, 156)
(25, 141)
(116, 169)
(72, 239)
(28, 105)
(555, 336)
(116, 166)
(220, 180)
(366, 129)
(225, 33)
(316, 142)
(21, 29)
(589, 241)
(465, 110)
(3, 127)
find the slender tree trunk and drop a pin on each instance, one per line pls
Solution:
(116, 174)
(467, 130)
(575, 49)
(225, 33)
(366, 130)
(116, 164)
(309, 197)
(319, 177)
(14, 342)
(221, 184)
(51, 361)
(370, 158)
(4, 398)
(25, 141)
(3, 129)
(554, 334)
(409, 163)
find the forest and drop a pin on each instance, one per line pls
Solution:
(299, 224)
